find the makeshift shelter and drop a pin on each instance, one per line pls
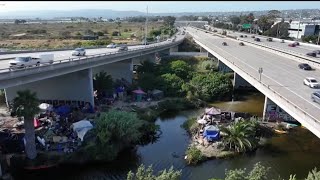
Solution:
(139, 94)
(213, 111)
(157, 94)
(46, 107)
(63, 110)
(211, 133)
(81, 128)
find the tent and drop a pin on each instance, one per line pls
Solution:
(213, 111)
(81, 128)
(46, 107)
(211, 133)
(157, 94)
(63, 110)
(139, 93)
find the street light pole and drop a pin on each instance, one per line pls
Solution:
(299, 25)
(146, 29)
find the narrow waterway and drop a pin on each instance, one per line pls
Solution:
(295, 153)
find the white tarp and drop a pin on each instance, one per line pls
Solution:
(81, 128)
(45, 107)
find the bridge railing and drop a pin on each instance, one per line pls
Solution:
(114, 53)
(273, 91)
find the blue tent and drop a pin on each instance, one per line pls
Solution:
(63, 110)
(212, 133)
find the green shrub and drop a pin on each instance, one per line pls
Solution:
(175, 105)
(194, 155)
(171, 85)
(147, 174)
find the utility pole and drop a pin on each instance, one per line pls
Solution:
(299, 25)
(146, 29)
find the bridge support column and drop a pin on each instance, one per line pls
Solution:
(240, 83)
(272, 112)
(174, 49)
(77, 86)
(223, 68)
(118, 70)
(149, 57)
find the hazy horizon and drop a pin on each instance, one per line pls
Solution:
(157, 6)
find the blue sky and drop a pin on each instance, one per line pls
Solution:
(158, 6)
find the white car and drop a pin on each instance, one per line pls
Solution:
(79, 52)
(311, 82)
(21, 62)
(112, 45)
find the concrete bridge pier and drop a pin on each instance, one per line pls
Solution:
(223, 68)
(240, 83)
(76, 86)
(272, 112)
(118, 70)
(174, 49)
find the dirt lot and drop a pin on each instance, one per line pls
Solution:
(59, 35)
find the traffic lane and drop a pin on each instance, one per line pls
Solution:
(283, 46)
(305, 97)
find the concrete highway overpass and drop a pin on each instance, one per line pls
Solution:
(71, 78)
(281, 80)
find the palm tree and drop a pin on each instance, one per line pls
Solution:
(26, 105)
(239, 136)
(102, 82)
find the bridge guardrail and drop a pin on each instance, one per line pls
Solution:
(92, 56)
(273, 91)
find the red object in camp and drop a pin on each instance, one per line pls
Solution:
(36, 122)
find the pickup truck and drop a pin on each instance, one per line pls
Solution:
(21, 62)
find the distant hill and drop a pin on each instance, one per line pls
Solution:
(108, 13)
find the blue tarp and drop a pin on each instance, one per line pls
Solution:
(63, 110)
(212, 133)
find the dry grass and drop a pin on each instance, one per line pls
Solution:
(52, 34)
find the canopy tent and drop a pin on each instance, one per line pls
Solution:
(211, 133)
(157, 94)
(213, 111)
(81, 128)
(46, 107)
(201, 121)
(139, 93)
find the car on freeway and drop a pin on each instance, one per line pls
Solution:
(296, 43)
(241, 44)
(241, 36)
(312, 54)
(304, 66)
(269, 39)
(112, 45)
(79, 52)
(317, 51)
(292, 45)
(245, 36)
(123, 48)
(282, 41)
(215, 30)
(21, 62)
(206, 31)
(224, 44)
(311, 82)
(257, 39)
(253, 36)
(315, 96)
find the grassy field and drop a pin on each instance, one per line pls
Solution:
(60, 35)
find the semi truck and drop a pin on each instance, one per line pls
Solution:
(28, 61)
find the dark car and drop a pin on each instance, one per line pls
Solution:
(305, 66)
(269, 39)
(282, 41)
(245, 36)
(206, 31)
(296, 43)
(257, 39)
(312, 54)
(224, 44)
(253, 36)
(317, 51)
(123, 48)
(241, 44)
(292, 45)
(316, 97)
(241, 36)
